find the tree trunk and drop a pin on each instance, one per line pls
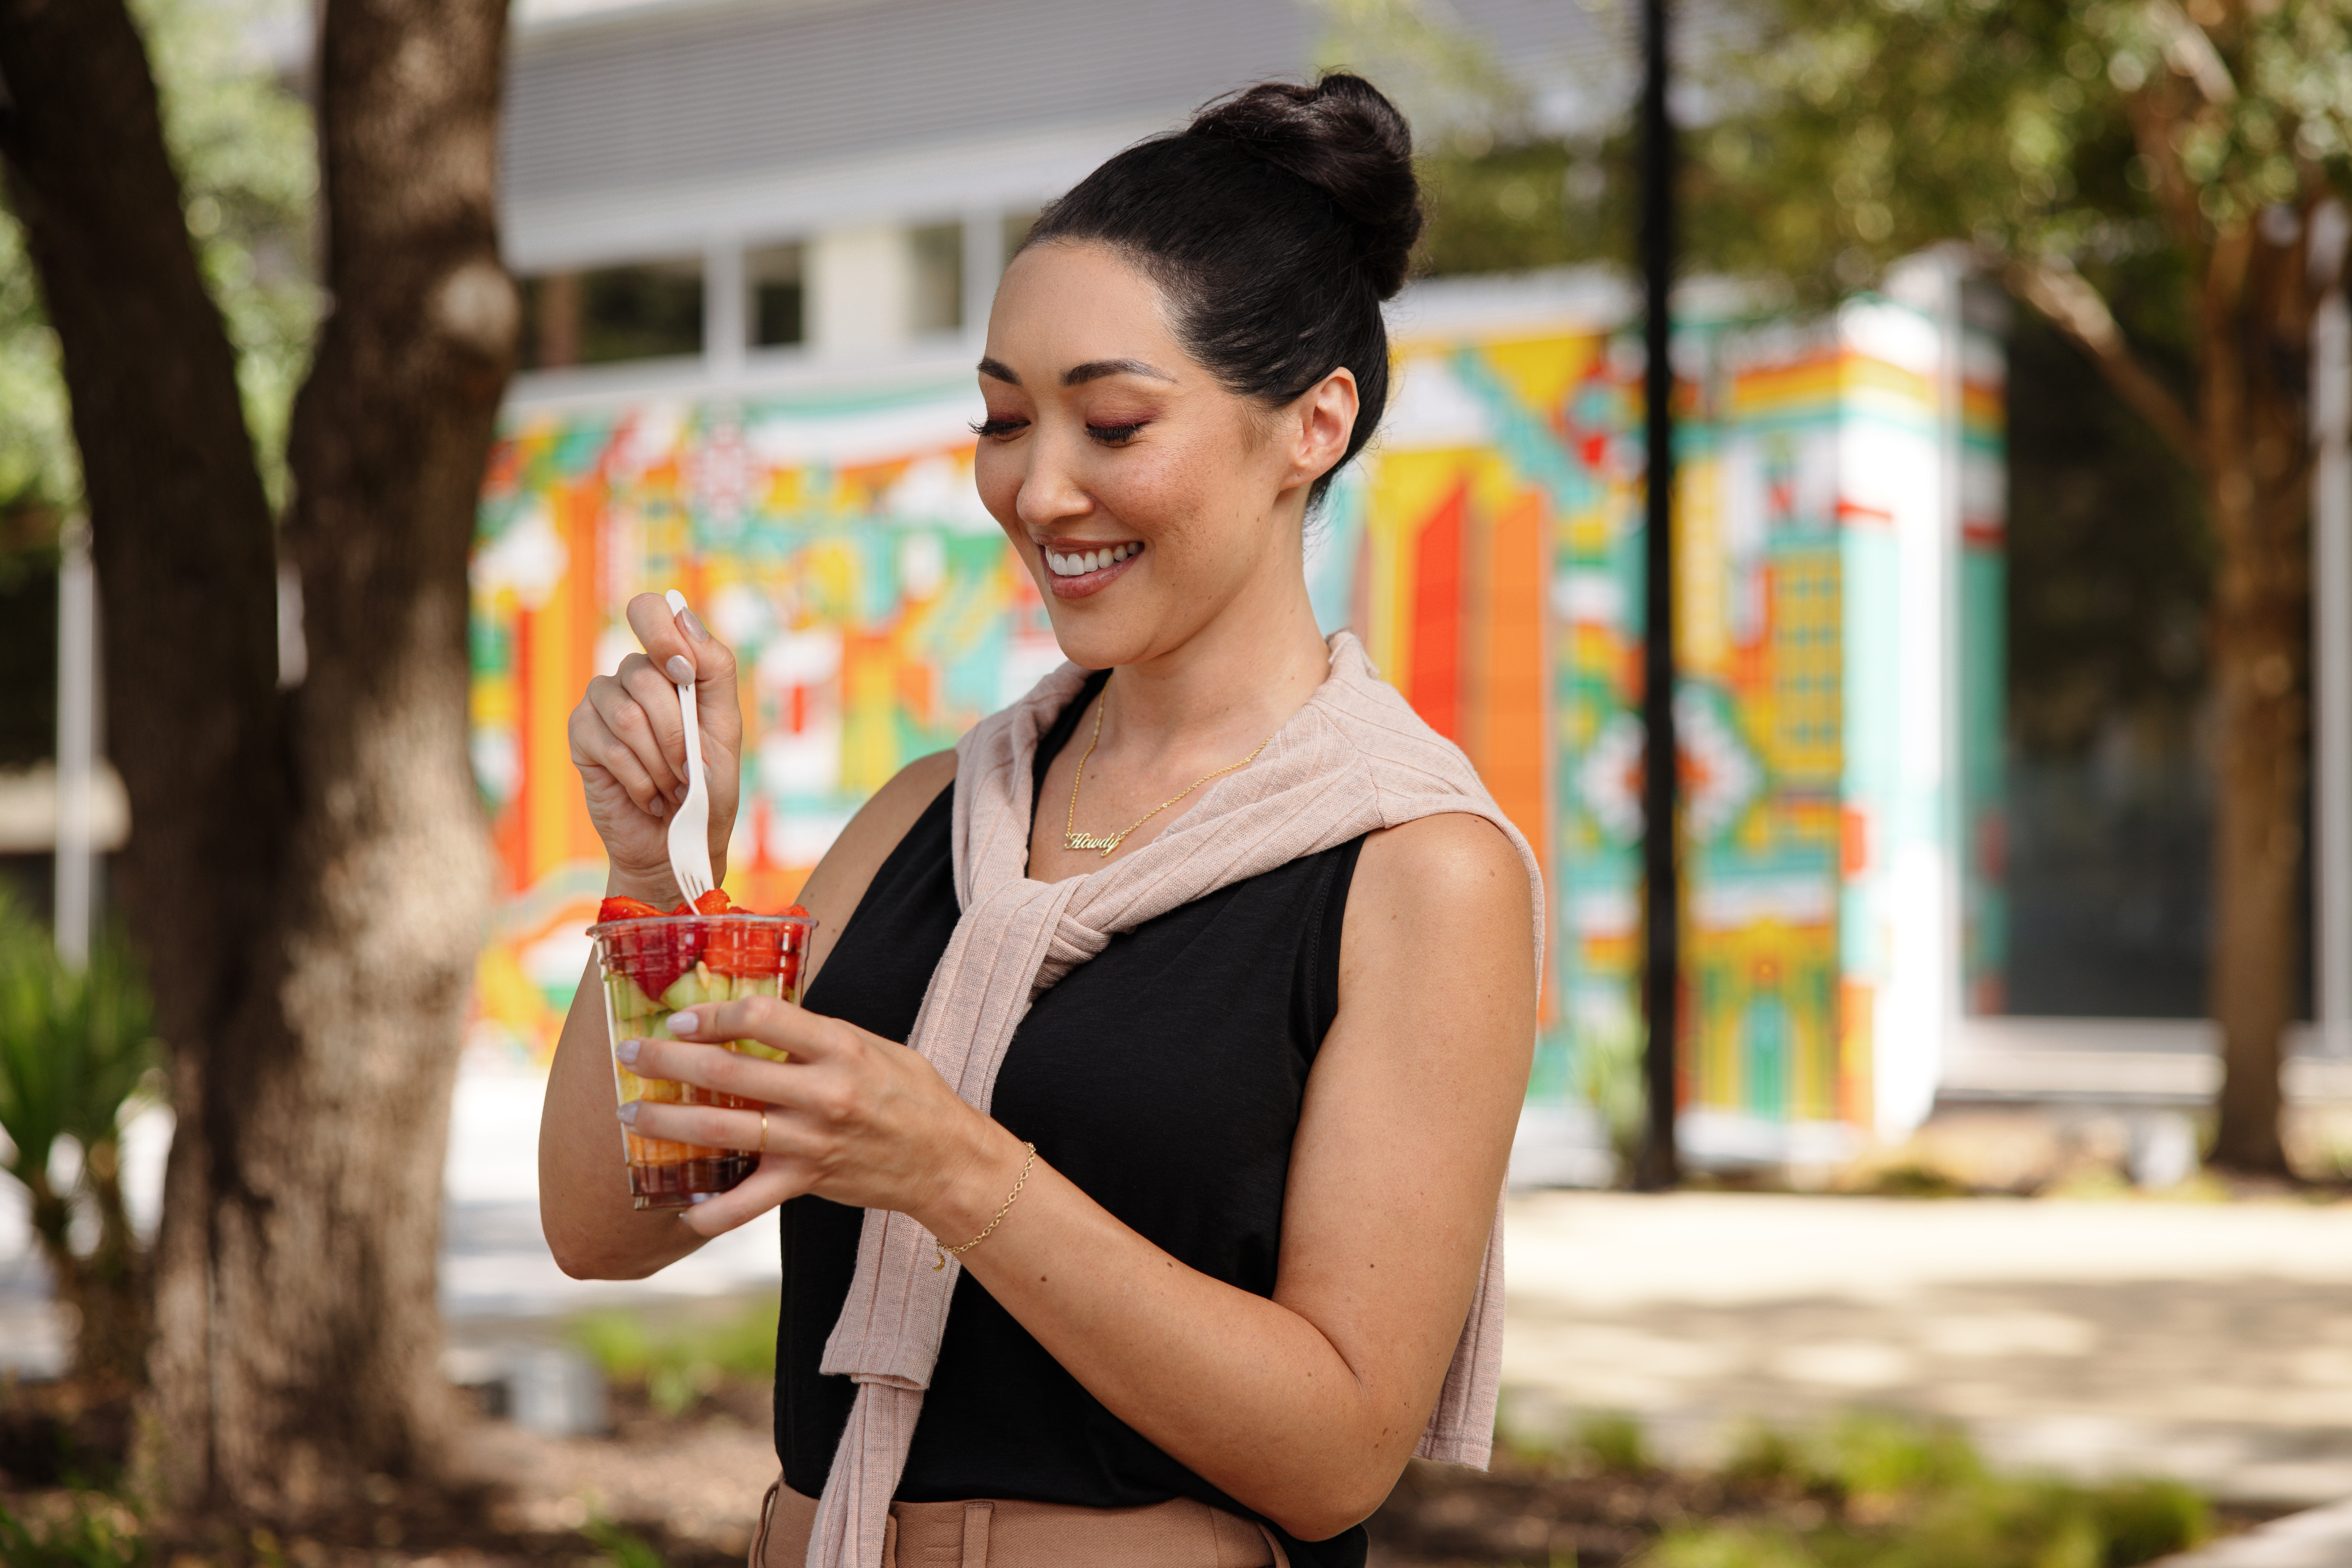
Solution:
(2253, 365)
(110, 1340)
(308, 872)
(181, 528)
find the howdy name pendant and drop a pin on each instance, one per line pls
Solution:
(1105, 843)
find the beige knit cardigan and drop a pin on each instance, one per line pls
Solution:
(1354, 759)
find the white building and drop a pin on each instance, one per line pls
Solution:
(712, 197)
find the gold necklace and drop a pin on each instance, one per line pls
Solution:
(1075, 839)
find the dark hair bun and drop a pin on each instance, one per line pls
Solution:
(1275, 224)
(1345, 138)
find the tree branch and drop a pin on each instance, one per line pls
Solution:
(2156, 113)
(180, 524)
(2189, 51)
(2069, 302)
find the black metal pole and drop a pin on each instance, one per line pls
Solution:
(1661, 947)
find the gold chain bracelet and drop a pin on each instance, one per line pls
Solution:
(992, 1224)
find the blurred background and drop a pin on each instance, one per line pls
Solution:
(1952, 500)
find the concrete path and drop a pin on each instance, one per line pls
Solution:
(2211, 1342)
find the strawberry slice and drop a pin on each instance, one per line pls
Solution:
(625, 909)
(755, 947)
(654, 955)
(743, 947)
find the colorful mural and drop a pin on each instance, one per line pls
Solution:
(837, 546)
(1490, 552)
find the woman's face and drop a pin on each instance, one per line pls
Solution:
(1145, 498)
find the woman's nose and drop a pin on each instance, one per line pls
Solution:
(1050, 490)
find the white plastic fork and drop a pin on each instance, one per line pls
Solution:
(689, 830)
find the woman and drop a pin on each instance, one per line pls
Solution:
(1220, 1197)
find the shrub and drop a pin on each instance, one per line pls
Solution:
(680, 1364)
(96, 1533)
(1909, 1494)
(76, 1047)
(1616, 1442)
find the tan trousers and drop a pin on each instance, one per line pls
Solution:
(1178, 1533)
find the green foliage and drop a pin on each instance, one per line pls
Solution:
(1765, 1455)
(1616, 1442)
(1909, 1495)
(97, 1532)
(1524, 205)
(679, 1364)
(621, 1548)
(242, 140)
(1869, 1453)
(1852, 132)
(1727, 1546)
(2112, 137)
(75, 1045)
(1447, 83)
(1608, 1069)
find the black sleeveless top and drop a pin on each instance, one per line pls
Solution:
(1164, 1077)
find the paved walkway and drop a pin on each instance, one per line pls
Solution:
(2213, 1342)
(2210, 1341)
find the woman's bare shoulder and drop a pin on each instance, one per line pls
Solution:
(834, 890)
(1452, 867)
(1438, 902)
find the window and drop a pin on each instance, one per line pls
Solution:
(648, 310)
(776, 276)
(937, 305)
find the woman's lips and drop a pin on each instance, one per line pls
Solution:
(1087, 583)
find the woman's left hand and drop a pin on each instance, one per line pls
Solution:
(851, 1117)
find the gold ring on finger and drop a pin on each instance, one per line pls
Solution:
(763, 1129)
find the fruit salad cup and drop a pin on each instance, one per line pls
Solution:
(655, 965)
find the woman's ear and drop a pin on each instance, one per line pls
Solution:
(1324, 419)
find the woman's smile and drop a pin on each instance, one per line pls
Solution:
(1077, 569)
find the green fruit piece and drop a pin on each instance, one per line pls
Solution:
(627, 1001)
(687, 991)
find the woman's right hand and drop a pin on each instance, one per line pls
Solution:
(628, 741)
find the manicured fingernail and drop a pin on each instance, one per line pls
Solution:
(680, 668)
(683, 1023)
(693, 625)
(626, 1051)
(628, 1114)
(680, 793)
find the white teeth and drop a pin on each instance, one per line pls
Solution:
(1085, 562)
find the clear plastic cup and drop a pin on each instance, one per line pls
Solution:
(659, 965)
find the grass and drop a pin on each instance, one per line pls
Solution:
(679, 1362)
(1616, 1442)
(1868, 1490)
(621, 1548)
(1890, 1492)
(94, 1532)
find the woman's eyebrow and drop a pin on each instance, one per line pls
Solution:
(1095, 370)
(998, 370)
